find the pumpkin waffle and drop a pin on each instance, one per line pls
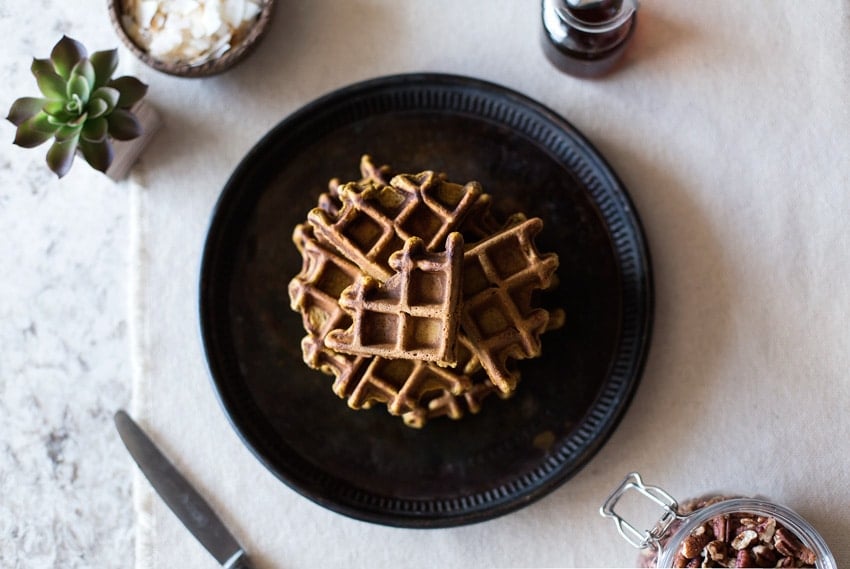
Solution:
(500, 274)
(444, 402)
(374, 221)
(362, 381)
(369, 175)
(403, 385)
(414, 315)
(447, 404)
(406, 386)
(314, 293)
(388, 297)
(481, 223)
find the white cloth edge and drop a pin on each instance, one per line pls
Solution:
(143, 495)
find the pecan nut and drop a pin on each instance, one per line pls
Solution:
(694, 543)
(744, 539)
(786, 543)
(744, 559)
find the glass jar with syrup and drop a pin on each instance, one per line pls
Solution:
(586, 38)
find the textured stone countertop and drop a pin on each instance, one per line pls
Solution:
(65, 479)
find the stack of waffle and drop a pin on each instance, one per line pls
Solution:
(414, 296)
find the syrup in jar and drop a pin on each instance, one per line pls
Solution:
(587, 38)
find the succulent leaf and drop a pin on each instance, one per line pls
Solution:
(131, 89)
(97, 108)
(79, 86)
(98, 154)
(55, 108)
(123, 125)
(66, 54)
(41, 66)
(34, 131)
(60, 117)
(51, 84)
(108, 95)
(79, 121)
(95, 130)
(60, 157)
(84, 68)
(24, 109)
(67, 132)
(105, 63)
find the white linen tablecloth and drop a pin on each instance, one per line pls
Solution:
(730, 127)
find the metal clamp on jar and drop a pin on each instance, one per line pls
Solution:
(586, 38)
(719, 532)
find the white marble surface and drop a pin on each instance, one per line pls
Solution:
(65, 479)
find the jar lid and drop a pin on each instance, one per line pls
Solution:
(642, 539)
(569, 14)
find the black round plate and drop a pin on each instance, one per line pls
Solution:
(368, 464)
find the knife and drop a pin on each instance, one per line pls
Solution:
(180, 496)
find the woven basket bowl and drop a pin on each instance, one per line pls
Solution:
(214, 66)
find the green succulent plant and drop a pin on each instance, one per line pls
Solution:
(82, 108)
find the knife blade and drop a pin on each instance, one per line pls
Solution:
(180, 496)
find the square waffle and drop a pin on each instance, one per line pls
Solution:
(500, 274)
(374, 221)
(370, 175)
(414, 314)
(361, 380)
(447, 404)
(404, 384)
(314, 292)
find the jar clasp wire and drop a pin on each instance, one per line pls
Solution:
(641, 538)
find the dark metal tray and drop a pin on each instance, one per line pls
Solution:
(367, 464)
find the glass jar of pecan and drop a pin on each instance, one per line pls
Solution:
(719, 531)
